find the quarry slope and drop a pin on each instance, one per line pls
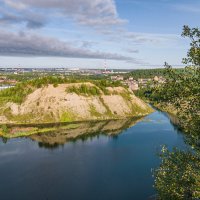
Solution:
(59, 104)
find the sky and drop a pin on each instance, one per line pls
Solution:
(127, 34)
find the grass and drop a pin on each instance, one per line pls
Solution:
(84, 89)
(25, 118)
(67, 116)
(108, 111)
(94, 112)
(126, 96)
(15, 94)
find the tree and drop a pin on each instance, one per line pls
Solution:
(193, 55)
(178, 176)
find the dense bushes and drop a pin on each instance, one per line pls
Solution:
(103, 84)
(178, 176)
(18, 93)
(15, 94)
(150, 73)
(84, 89)
(100, 85)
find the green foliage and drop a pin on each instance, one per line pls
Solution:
(149, 73)
(178, 177)
(108, 111)
(103, 84)
(179, 174)
(100, 86)
(15, 94)
(67, 117)
(193, 55)
(94, 112)
(84, 89)
(5, 129)
(18, 93)
(126, 96)
(106, 83)
(55, 85)
(143, 93)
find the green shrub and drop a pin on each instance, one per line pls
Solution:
(178, 176)
(55, 85)
(67, 117)
(15, 94)
(84, 89)
(5, 129)
(94, 112)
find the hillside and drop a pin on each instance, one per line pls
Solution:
(72, 102)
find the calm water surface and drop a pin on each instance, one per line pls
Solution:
(101, 167)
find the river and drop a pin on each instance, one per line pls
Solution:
(103, 165)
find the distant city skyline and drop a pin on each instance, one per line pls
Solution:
(129, 34)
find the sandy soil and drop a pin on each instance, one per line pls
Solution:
(55, 101)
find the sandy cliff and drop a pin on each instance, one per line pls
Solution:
(56, 104)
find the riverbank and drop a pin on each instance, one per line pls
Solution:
(169, 108)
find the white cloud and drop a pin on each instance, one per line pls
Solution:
(136, 38)
(28, 44)
(86, 12)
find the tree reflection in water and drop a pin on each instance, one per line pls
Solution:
(83, 132)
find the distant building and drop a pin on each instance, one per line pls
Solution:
(159, 79)
(156, 79)
(144, 81)
(130, 79)
(117, 78)
(134, 86)
(74, 69)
